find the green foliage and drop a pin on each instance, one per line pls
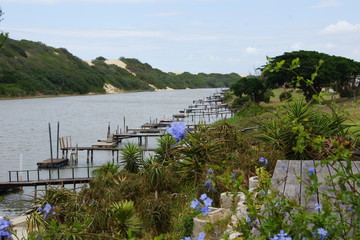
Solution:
(298, 125)
(251, 88)
(3, 36)
(184, 80)
(125, 216)
(337, 72)
(31, 68)
(285, 96)
(109, 169)
(131, 157)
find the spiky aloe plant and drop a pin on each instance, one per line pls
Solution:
(131, 157)
(125, 216)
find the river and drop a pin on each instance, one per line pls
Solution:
(24, 135)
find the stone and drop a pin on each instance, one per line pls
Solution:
(214, 215)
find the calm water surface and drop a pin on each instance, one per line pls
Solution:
(24, 136)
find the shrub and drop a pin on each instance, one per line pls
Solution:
(285, 96)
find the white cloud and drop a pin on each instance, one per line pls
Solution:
(327, 3)
(341, 27)
(296, 46)
(251, 50)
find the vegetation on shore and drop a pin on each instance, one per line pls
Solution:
(31, 69)
(150, 198)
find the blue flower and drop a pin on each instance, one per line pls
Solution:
(263, 192)
(4, 228)
(208, 201)
(322, 233)
(203, 196)
(210, 172)
(264, 160)
(201, 236)
(311, 171)
(317, 206)
(47, 211)
(281, 236)
(195, 204)
(177, 130)
(204, 208)
(248, 219)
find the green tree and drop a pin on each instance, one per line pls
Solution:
(3, 36)
(336, 72)
(252, 88)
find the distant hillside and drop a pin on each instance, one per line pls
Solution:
(31, 68)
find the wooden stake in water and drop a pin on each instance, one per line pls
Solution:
(51, 152)
(57, 144)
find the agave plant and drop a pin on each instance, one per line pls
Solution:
(125, 216)
(165, 151)
(106, 170)
(197, 150)
(300, 125)
(131, 157)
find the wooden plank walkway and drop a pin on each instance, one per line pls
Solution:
(63, 181)
(291, 177)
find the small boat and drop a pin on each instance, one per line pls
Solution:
(53, 163)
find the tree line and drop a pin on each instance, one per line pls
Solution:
(30, 68)
(309, 71)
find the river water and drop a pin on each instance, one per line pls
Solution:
(24, 135)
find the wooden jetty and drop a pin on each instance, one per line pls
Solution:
(45, 177)
(53, 162)
(292, 176)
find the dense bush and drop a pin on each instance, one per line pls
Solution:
(285, 96)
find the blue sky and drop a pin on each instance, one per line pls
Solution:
(208, 36)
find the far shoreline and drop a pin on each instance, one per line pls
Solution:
(87, 94)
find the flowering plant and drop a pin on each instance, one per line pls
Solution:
(5, 227)
(202, 207)
(177, 130)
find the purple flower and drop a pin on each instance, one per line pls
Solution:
(203, 196)
(4, 228)
(264, 160)
(195, 204)
(177, 130)
(263, 192)
(201, 236)
(208, 201)
(281, 236)
(210, 172)
(317, 206)
(47, 211)
(204, 208)
(311, 171)
(322, 233)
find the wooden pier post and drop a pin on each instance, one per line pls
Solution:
(87, 156)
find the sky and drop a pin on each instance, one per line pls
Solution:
(210, 36)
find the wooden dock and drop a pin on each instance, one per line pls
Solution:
(292, 176)
(49, 176)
